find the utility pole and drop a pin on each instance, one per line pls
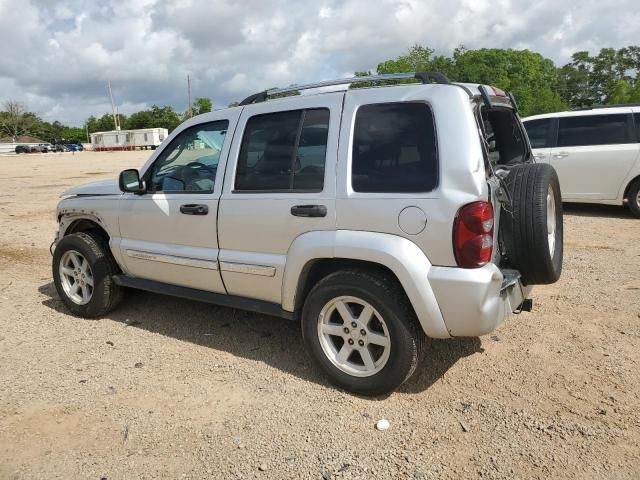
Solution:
(189, 110)
(113, 107)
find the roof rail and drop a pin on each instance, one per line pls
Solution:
(595, 107)
(424, 77)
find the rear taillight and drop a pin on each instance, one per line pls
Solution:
(473, 235)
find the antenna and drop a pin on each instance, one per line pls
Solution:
(189, 110)
(113, 107)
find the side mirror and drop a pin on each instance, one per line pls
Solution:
(129, 181)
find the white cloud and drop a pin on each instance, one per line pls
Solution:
(58, 56)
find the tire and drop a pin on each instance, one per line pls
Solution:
(72, 251)
(392, 317)
(533, 245)
(633, 198)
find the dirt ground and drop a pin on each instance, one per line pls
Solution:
(168, 388)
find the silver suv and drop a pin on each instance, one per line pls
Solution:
(375, 216)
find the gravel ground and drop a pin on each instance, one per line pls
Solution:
(167, 388)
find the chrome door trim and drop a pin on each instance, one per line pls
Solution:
(174, 259)
(261, 270)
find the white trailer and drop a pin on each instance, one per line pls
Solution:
(143, 138)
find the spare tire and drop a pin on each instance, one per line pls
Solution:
(531, 227)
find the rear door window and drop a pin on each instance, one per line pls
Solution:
(593, 130)
(539, 132)
(394, 149)
(636, 118)
(284, 152)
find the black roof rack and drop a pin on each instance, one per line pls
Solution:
(595, 107)
(424, 77)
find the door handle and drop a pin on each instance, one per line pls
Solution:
(560, 154)
(194, 209)
(309, 211)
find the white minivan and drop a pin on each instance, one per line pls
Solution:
(596, 153)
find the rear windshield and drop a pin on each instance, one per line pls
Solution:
(394, 149)
(504, 140)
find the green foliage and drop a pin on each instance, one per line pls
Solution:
(634, 93)
(532, 78)
(15, 120)
(621, 92)
(141, 119)
(155, 117)
(202, 105)
(610, 77)
(164, 117)
(606, 78)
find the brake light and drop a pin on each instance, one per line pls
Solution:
(499, 92)
(473, 235)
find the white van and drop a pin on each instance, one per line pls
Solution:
(596, 153)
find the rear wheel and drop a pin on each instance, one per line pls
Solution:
(633, 198)
(361, 331)
(531, 227)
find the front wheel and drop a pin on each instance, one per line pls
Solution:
(83, 270)
(361, 331)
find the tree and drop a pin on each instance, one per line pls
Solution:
(634, 93)
(202, 105)
(533, 79)
(621, 92)
(91, 124)
(418, 59)
(592, 80)
(163, 117)
(15, 120)
(142, 119)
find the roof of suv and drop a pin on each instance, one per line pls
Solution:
(603, 110)
(491, 96)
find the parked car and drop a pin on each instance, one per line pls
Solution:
(596, 153)
(35, 148)
(23, 149)
(58, 147)
(375, 216)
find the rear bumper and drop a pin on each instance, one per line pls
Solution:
(474, 302)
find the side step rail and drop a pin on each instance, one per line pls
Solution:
(221, 299)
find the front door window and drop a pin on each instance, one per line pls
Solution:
(190, 162)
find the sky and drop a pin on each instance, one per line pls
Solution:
(57, 55)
